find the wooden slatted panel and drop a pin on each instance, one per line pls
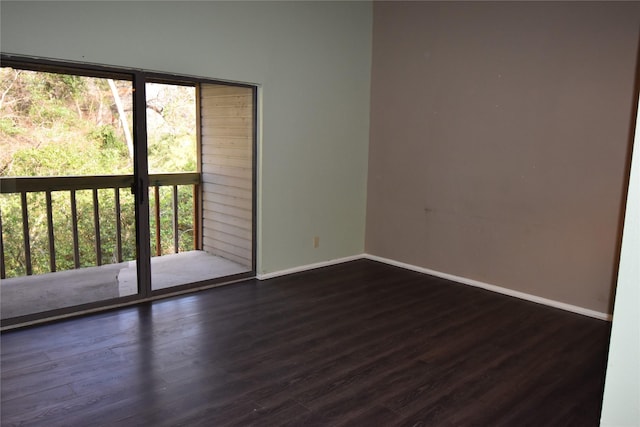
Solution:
(226, 220)
(228, 132)
(226, 100)
(230, 152)
(237, 165)
(219, 244)
(234, 120)
(227, 171)
(231, 229)
(228, 181)
(229, 191)
(222, 91)
(219, 209)
(239, 243)
(230, 200)
(227, 142)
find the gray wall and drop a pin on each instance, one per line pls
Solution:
(499, 142)
(312, 61)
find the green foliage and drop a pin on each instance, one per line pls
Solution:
(9, 127)
(106, 137)
(77, 158)
(55, 87)
(50, 114)
(74, 85)
(64, 125)
(185, 220)
(172, 153)
(13, 253)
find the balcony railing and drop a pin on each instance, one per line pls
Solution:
(22, 186)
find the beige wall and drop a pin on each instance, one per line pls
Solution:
(499, 142)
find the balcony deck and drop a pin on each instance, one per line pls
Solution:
(31, 294)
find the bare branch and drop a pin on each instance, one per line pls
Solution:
(4, 94)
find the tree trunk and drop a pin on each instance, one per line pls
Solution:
(123, 117)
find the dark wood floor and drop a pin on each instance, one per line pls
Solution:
(359, 344)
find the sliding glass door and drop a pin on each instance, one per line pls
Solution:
(120, 185)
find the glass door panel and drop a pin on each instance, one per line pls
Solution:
(67, 215)
(200, 149)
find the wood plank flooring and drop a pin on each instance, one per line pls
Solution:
(357, 344)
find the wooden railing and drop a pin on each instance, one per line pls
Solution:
(72, 184)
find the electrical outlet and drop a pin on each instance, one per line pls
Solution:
(316, 241)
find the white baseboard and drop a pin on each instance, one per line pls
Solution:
(301, 268)
(494, 288)
(458, 279)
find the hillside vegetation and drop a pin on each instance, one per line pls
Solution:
(66, 125)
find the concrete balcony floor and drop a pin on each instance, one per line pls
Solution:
(33, 294)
